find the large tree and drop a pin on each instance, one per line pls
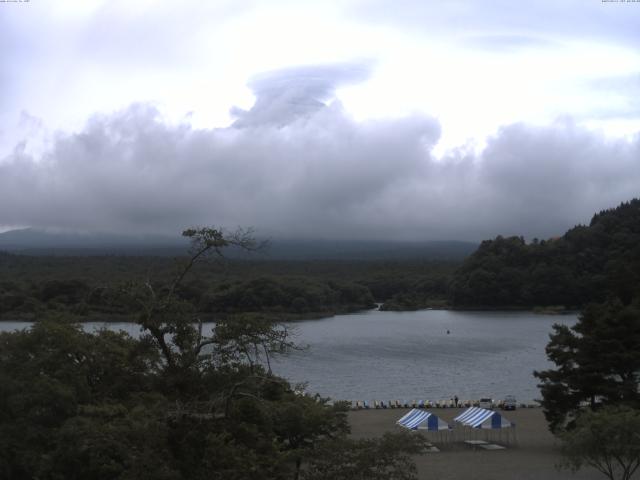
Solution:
(387, 458)
(607, 440)
(597, 363)
(176, 403)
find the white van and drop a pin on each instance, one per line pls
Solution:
(486, 403)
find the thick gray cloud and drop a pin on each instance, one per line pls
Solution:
(310, 170)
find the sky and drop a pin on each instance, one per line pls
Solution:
(344, 119)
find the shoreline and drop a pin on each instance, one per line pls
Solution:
(534, 454)
(311, 316)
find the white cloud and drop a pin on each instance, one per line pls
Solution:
(473, 65)
(451, 133)
(317, 172)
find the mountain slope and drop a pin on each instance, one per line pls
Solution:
(586, 264)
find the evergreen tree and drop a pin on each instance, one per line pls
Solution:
(597, 362)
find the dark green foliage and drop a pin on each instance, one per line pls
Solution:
(299, 295)
(597, 360)
(110, 441)
(409, 285)
(607, 440)
(89, 288)
(64, 291)
(177, 403)
(587, 264)
(422, 292)
(50, 375)
(388, 458)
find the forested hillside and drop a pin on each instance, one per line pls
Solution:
(586, 264)
(91, 287)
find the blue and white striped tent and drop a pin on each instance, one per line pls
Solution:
(476, 417)
(422, 420)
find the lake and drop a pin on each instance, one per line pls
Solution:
(409, 355)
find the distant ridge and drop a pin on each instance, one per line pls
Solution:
(368, 250)
(31, 241)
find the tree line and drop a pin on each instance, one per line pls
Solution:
(586, 264)
(32, 288)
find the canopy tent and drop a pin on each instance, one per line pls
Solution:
(489, 421)
(476, 417)
(422, 420)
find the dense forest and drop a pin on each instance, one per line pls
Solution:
(91, 287)
(586, 264)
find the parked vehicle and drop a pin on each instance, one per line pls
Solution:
(509, 403)
(486, 403)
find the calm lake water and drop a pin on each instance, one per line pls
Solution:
(409, 355)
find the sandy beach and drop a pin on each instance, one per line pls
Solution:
(534, 455)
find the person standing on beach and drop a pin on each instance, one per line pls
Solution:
(455, 400)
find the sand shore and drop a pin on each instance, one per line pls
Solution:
(534, 455)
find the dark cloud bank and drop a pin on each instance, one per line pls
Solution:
(296, 165)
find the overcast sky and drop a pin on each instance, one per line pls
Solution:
(404, 119)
